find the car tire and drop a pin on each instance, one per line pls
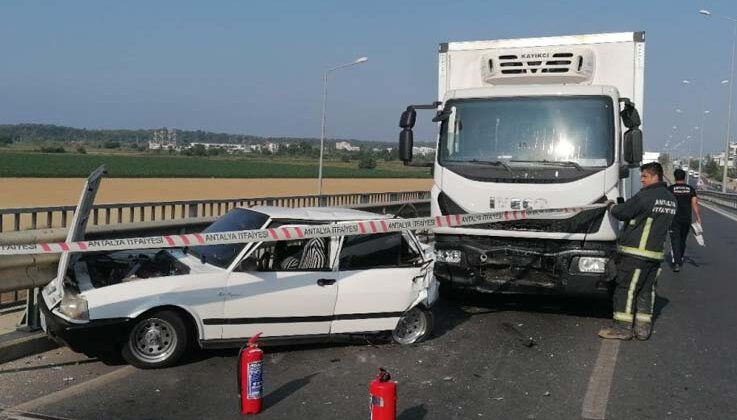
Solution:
(156, 340)
(414, 326)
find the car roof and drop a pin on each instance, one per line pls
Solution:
(317, 213)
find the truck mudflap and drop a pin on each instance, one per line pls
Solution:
(513, 265)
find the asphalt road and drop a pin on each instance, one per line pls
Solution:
(481, 363)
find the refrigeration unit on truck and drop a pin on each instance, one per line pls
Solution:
(526, 124)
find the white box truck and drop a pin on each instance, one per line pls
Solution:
(529, 124)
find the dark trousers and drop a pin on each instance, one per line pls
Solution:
(678, 234)
(634, 295)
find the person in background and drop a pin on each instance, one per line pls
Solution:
(688, 204)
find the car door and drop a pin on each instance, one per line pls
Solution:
(380, 277)
(285, 288)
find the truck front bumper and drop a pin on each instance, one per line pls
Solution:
(514, 265)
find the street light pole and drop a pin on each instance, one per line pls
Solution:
(324, 104)
(729, 105)
(704, 111)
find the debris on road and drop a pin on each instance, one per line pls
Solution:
(516, 333)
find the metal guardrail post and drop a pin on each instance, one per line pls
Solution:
(32, 317)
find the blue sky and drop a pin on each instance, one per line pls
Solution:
(256, 67)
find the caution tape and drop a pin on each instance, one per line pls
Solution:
(290, 232)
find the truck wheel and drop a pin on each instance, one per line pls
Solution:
(157, 340)
(414, 326)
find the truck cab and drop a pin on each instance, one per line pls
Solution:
(537, 123)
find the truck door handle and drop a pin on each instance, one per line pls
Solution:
(325, 282)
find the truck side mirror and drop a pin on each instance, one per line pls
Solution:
(406, 140)
(408, 118)
(632, 146)
(630, 116)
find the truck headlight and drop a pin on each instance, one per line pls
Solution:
(592, 264)
(451, 256)
(74, 306)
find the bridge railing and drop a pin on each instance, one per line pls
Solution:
(33, 218)
(723, 199)
(17, 219)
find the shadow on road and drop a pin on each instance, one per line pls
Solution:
(417, 412)
(660, 303)
(284, 391)
(482, 303)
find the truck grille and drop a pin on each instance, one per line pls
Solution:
(587, 221)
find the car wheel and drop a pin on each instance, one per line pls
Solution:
(414, 326)
(158, 339)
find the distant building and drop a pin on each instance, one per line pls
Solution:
(344, 145)
(719, 157)
(648, 157)
(423, 150)
(228, 147)
(164, 139)
(274, 147)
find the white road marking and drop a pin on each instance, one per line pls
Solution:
(72, 391)
(600, 382)
(715, 209)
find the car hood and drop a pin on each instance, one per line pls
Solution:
(54, 291)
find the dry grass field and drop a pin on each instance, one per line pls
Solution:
(44, 192)
(37, 192)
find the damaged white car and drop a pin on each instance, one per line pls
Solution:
(150, 306)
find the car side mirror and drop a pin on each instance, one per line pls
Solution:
(406, 140)
(632, 146)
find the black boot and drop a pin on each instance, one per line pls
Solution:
(618, 331)
(643, 330)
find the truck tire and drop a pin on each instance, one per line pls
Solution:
(414, 326)
(156, 340)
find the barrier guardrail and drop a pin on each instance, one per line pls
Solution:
(119, 213)
(132, 214)
(723, 199)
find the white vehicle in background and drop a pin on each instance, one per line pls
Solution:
(534, 123)
(151, 305)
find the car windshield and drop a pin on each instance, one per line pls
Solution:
(236, 219)
(525, 131)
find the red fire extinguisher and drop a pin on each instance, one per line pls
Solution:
(250, 376)
(383, 397)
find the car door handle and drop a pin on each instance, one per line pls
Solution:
(325, 282)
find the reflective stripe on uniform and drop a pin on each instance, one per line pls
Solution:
(640, 252)
(631, 291)
(646, 233)
(623, 317)
(644, 317)
(652, 293)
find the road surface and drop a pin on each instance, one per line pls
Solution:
(491, 357)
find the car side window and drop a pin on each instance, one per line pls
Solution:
(363, 252)
(299, 255)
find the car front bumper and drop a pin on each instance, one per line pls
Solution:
(93, 338)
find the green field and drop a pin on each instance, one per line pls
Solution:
(68, 165)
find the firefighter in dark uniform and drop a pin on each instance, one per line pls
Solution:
(687, 203)
(647, 217)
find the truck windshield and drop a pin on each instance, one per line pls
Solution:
(577, 130)
(236, 219)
